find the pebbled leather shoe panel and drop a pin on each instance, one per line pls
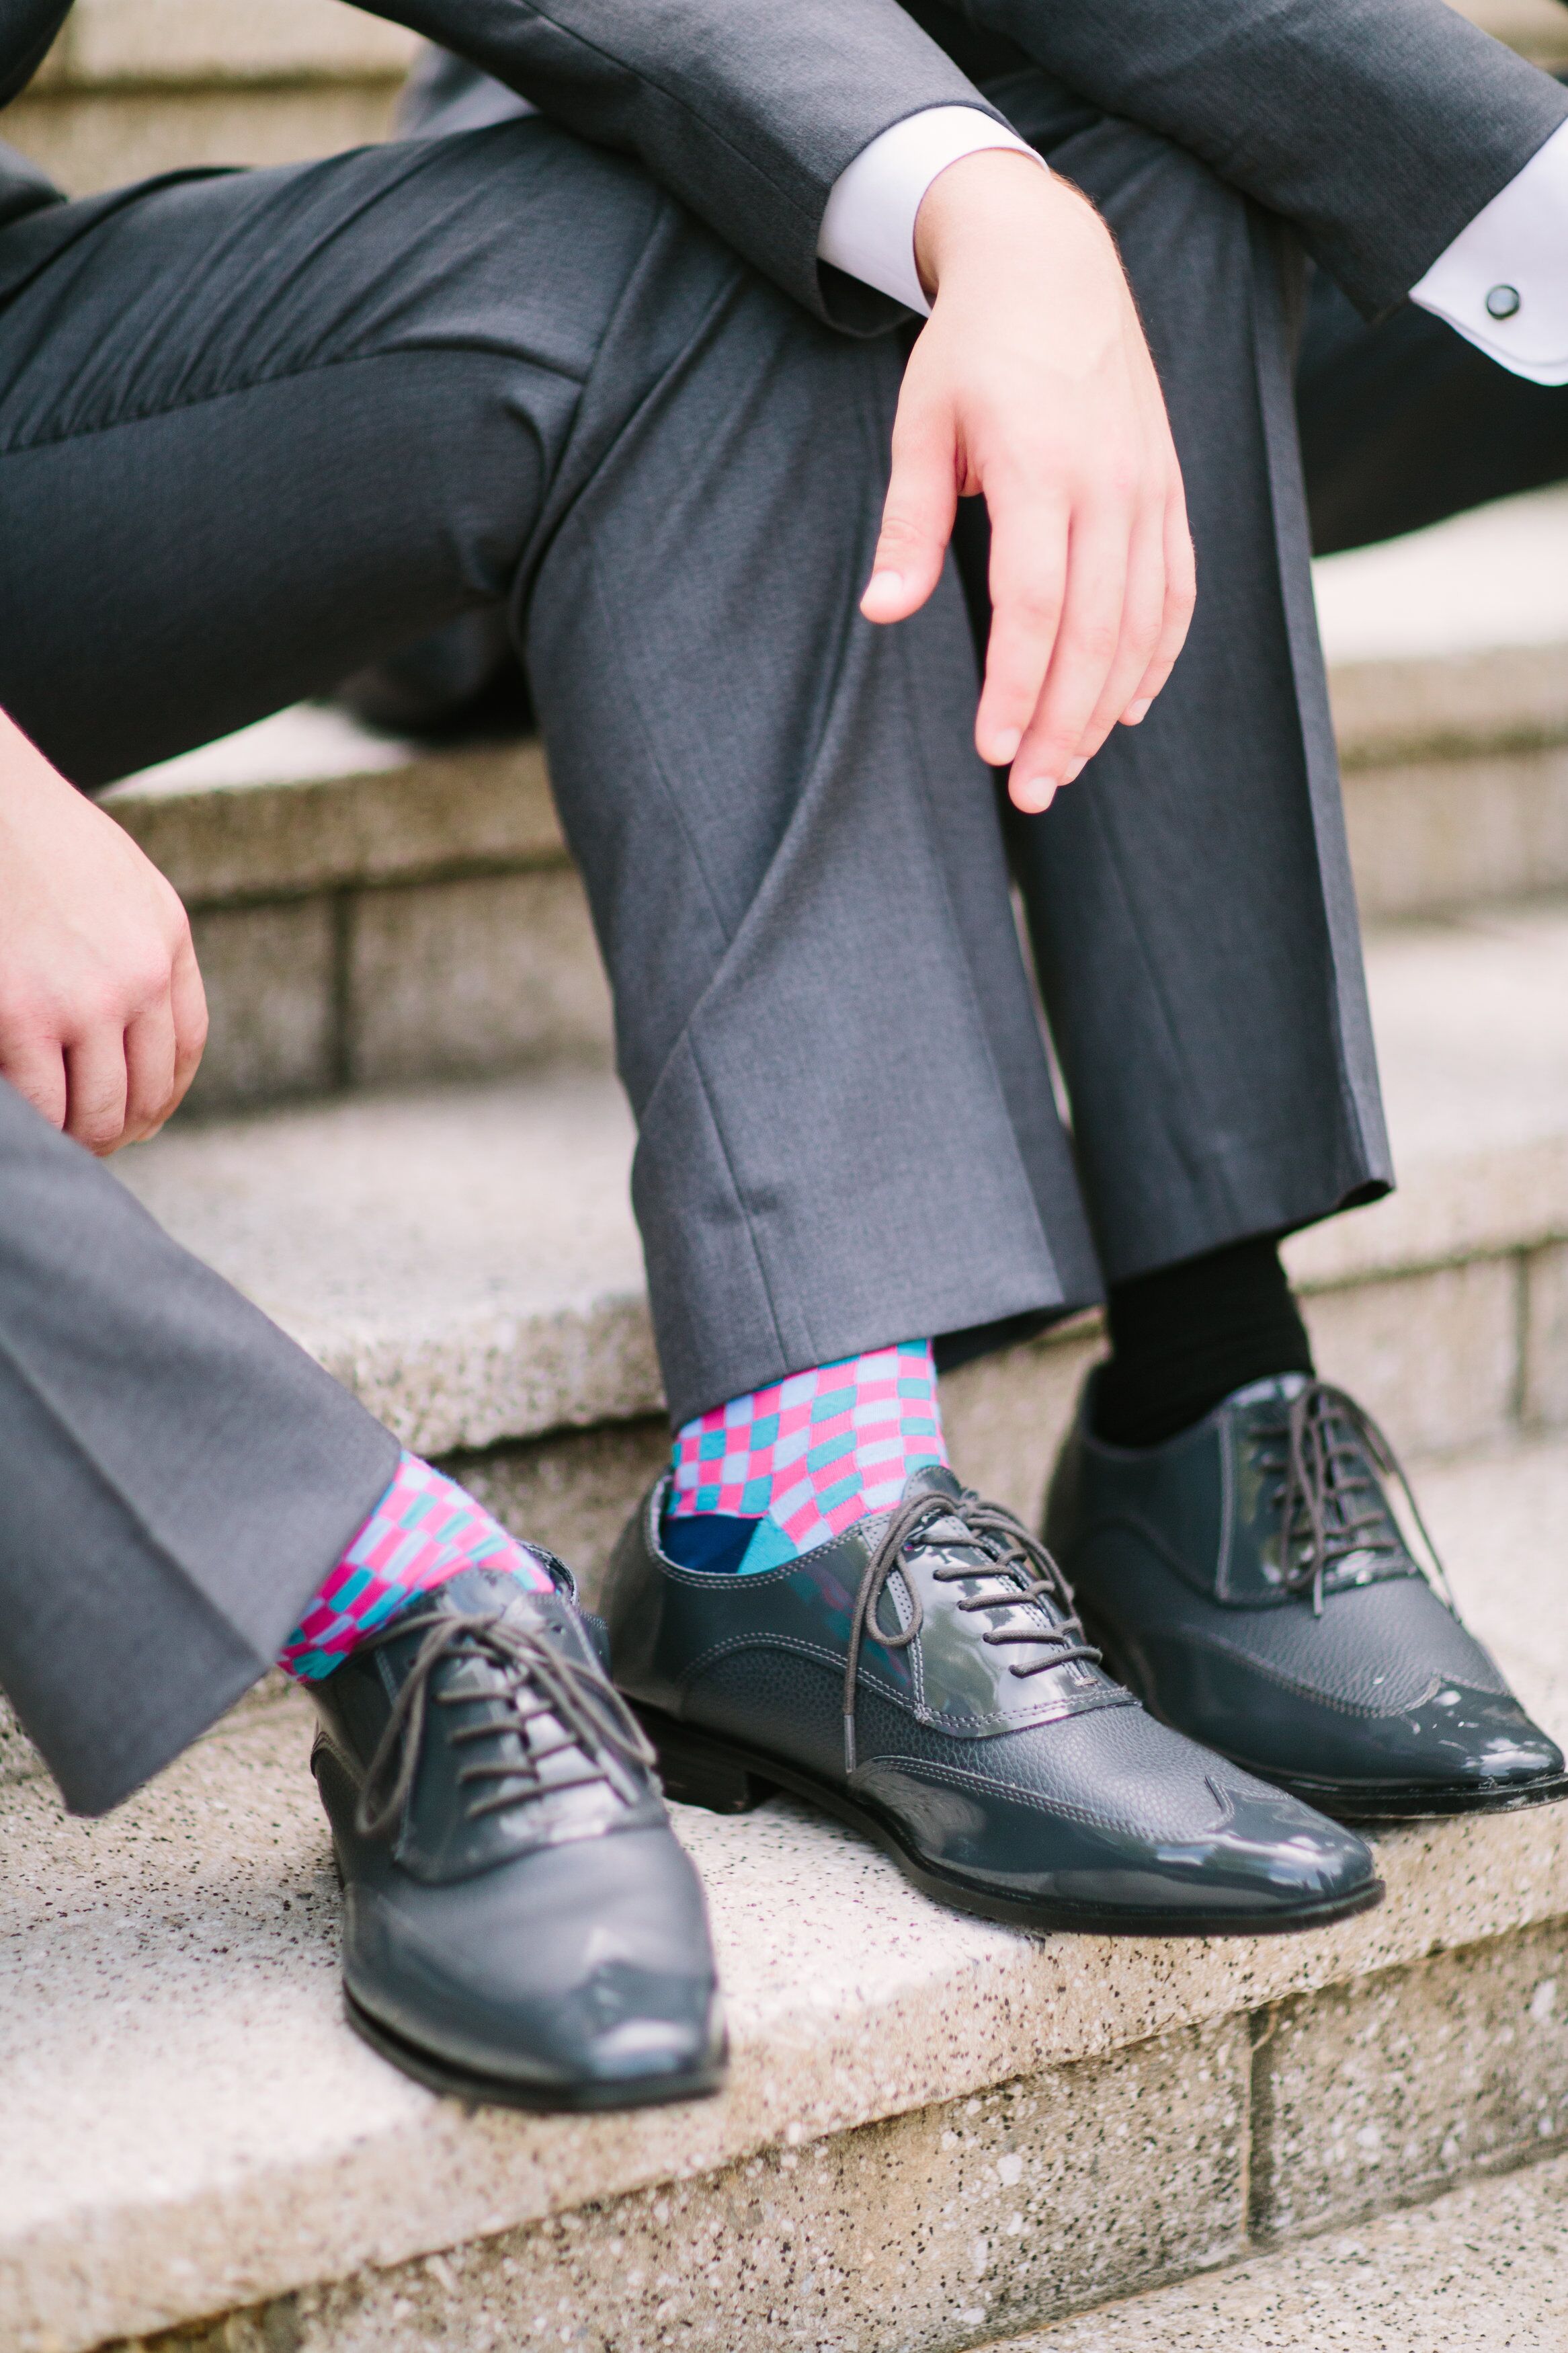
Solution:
(521, 1923)
(1359, 1688)
(1075, 1809)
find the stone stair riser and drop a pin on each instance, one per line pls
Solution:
(1397, 2085)
(955, 2224)
(1430, 836)
(133, 87)
(138, 87)
(1446, 1359)
(463, 977)
(496, 972)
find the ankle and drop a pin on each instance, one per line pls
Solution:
(789, 1466)
(424, 1531)
(1185, 1337)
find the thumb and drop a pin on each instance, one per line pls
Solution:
(917, 520)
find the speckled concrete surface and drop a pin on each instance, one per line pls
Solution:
(1474, 1059)
(923, 2234)
(1484, 2269)
(309, 800)
(1377, 2093)
(189, 2126)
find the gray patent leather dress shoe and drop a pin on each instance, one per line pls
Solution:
(521, 1923)
(1250, 1581)
(923, 1677)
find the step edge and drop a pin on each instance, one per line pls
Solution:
(714, 2135)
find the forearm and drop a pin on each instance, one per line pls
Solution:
(747, 111)
(1380, 128)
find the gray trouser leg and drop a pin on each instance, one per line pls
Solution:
(1190, 898)
(1191, 901)
(263, 428)
(847, 1130)
(175, 1476)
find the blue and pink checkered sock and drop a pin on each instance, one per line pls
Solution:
(770, 1475)
(423, 1530)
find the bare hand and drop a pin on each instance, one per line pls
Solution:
(1032, 385)
(102, 1015)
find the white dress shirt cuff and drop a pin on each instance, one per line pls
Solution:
(1503, 283)
(869, 228)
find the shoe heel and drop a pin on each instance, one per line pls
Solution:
(696, 1771)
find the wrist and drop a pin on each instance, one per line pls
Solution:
(993, 205)
(24, 773)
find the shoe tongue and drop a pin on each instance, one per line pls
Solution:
(936, 1479)
(1275, 1388)
(475, 1592)
(933, 1479)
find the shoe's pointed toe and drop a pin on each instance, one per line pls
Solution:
(530, 1933)
(1280, 1851)
(1252, 1582)
(1459, 1751)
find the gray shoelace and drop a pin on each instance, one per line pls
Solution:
(1014, 1559)
(533, 1680)
(1332, 1500)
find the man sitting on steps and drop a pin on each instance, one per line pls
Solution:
(257, 430)
(1191, 912)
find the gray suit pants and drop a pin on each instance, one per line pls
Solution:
(257, 430)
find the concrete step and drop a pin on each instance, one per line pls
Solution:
(937, 2132)
(1538, 28)
(1484, 2267)
(137, 87)
(369, 912)
(1448, 665)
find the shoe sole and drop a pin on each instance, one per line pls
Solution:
(544, 2099)
(726, 1777)
(1346, 1802)
(1355, 1802)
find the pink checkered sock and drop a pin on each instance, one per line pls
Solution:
(423, 1530)
(808, 1456)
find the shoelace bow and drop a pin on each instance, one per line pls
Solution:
(1331, 1503)
(1016, 1560)
(535, 1680)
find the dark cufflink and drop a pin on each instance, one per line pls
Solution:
(1502, 302)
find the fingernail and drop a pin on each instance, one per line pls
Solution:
(1074, 771)
(1136, 712)
(1005, 747)
(891, 581)
(1039, 794)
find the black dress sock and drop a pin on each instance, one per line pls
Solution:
(1185, 1338)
